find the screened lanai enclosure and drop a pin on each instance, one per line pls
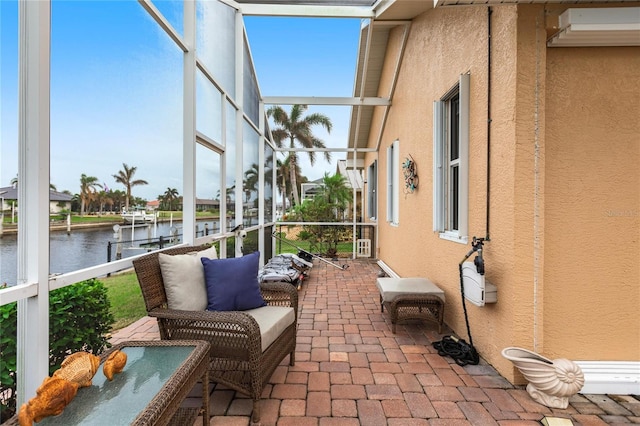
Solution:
(189, 109)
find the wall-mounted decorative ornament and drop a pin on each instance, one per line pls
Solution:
(410, 175)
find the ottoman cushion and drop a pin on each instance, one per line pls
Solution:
(393, 287)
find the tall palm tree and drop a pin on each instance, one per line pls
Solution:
(75, 202)
(118, 197)
(336, 192)
(125, 177)
(14, 182)
(250, 185)
(103, 200)
(230, 193)
(296, 127)
(283, 180)
(88, 185)
(170, 195)
(251, 178)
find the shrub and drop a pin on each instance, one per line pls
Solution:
(328, 205)
(79, 320)
(8, 332)
(304, 235)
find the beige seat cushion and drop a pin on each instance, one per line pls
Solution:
(183, 277)
(393, 287)
(272, 320)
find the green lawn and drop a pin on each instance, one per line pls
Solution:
(127, 305)
(94, 218)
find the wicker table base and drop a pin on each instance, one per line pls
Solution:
(411, 299)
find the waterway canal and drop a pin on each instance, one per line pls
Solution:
(83, 248)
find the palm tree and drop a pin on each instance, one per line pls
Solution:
(170, 195)
(336, 192)
(14, 182)
(118, 197)
(250, 185)
(125, 177)
(104, 200)
(294, 127)
(251, 178)
(75, 203)
(230, 193)
(88, 186)
(283, 180)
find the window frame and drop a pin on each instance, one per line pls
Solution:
(451, 172)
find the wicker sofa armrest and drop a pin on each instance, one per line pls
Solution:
(280, 294)
(207, 325)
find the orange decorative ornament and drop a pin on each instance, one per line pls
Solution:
(53, 395)
(114, 364)
(79, 367)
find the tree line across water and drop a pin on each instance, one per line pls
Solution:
(292, 129)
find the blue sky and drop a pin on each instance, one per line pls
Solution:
(116, 87)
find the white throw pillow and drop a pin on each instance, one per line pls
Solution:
(183, 277)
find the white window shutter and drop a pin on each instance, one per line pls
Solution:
(393, 183)
(438, 165)
(396, 183)
(463, 201)
(390, 183)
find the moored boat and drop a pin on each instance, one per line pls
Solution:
(138, 217)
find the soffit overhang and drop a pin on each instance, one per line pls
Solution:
(609, 28)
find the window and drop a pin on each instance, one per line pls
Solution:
(451, 162)
(393, 183)
(372, 193)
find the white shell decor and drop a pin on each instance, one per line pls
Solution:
(551, 383)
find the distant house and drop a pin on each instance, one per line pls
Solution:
(153, 205)
(310, 189)
(58, 201)
(352, 178)
(206, 204)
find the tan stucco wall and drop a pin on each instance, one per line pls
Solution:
(527, 256)
(592, 203)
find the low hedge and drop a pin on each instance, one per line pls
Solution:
(79, 320)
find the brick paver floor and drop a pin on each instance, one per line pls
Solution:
(351, 370)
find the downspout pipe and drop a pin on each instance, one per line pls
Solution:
(489, 35)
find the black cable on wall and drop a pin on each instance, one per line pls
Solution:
(489, 34)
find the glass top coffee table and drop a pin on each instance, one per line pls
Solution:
(156, 379)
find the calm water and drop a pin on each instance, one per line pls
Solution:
(86, 247)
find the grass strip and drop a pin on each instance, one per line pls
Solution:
(127, 304)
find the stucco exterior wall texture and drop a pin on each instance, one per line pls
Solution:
(592, 205)
(564, 222)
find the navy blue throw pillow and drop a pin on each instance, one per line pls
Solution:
(232, 284)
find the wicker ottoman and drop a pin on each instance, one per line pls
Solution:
(411, 298)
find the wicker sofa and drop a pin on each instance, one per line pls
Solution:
(238, 359)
